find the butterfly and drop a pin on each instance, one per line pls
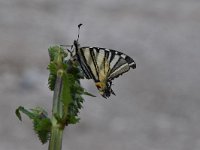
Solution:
(102, 65)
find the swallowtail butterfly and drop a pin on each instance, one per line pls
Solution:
(102, 65)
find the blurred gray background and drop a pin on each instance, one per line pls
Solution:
(156, 107)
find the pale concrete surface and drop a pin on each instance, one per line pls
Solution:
(156, 107)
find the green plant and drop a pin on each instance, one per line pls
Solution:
(64, 80)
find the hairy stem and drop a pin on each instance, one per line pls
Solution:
(55, 142)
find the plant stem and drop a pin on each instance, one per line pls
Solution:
(55, 142)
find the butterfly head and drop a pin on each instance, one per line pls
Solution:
(105, 88)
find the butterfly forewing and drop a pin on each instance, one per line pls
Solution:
(81, 58)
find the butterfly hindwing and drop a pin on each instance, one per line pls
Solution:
(120, 64)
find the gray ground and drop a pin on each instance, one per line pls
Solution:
(157, 106)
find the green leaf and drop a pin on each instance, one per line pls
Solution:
(43, 136)
(44, 125)
(57, 53)
(17, 112)
(52, 68)
(72, 120)
(42, 128)
(52, 75)
(41, 123)
(88, 94)
(39, 112)
(54, 51)
(25, 111)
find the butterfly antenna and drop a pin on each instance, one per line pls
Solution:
(79, 26)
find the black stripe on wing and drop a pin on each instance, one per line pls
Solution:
(85, 66)
(131, 62)
(93, 57)
(106, 60)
